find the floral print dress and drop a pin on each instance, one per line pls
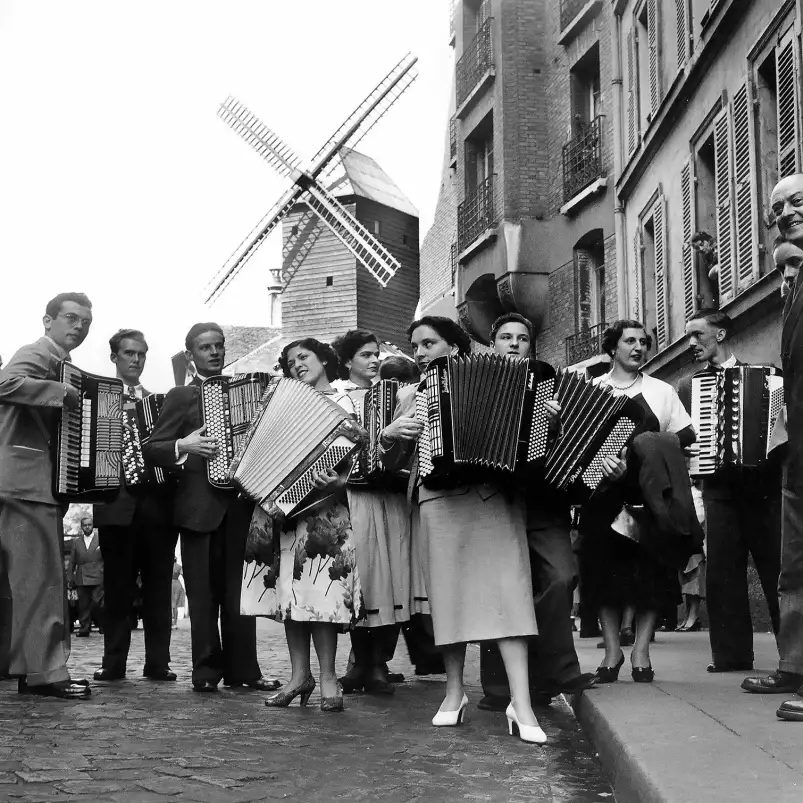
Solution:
(313, 576)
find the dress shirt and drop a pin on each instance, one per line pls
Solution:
(62, 352)
(135, 391)
(729, 363)
(88, 539)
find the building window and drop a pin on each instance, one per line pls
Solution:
(650, 300)
(476, 214)
(589, 272)
(377, 228)
(477, 57)
(649, 53)
(585, 91)
(330, 281)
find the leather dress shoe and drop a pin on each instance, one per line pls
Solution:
(776, 683)
(586, 680)
(791, 710)
(260, 684)
(63, 690)
(159, 674)
(492, 702)
(733, 666)
(204, 686)
(106, 673)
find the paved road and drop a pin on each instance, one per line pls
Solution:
(138, 741)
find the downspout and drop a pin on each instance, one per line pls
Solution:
(619, 228)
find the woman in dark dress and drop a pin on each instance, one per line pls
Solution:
(616, 571)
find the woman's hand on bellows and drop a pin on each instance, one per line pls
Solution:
(324, 479)
(614, 468)
(404, 428)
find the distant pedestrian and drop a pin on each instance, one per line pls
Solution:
(86, 576)
(177, 591)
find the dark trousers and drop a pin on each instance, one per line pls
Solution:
(213, 569)
(552, 656)
(790, 583)
(739, 523)
(140, 549)
(90, 601)
(419, 636)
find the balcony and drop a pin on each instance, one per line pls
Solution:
(582, 159)
(452, 141)
(584, 345)
(453, 260)
(476, 62)
(475, 216)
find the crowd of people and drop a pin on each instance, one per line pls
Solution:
(476, 559)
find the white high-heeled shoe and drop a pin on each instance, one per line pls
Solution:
(449, 719)
(527, 733)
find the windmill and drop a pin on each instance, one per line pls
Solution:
(313, 187)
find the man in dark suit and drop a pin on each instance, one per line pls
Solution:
(743, 517)
(787, 206)
(31, 526)
(86, 576)
(213, 524)
(136, 537)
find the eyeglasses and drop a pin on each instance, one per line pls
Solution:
(73, 319)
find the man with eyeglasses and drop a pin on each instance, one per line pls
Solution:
(37, 637)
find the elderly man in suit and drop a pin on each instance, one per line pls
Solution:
(31, 527)
(136, 537)
(213, 525)
(86, 576)
(787, 206)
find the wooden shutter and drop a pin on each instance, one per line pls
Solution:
(638, 267)
(745, 188)
(688, 217)
(787, 76)
(632, 96)
(682, 31)
(723, 183)
(654, 56)
(661, 262)
(583, 270)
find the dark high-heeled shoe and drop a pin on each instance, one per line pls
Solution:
(283, 698)
(610, 674)
(333, 703)
(693, 628)
(642, 674)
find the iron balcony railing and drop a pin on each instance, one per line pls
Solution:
(582, 158)
(453, 260)
(476, 60)
(585, 344)
(475, 215)
(569, 9)
(452, 138)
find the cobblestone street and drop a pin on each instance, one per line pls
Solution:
(139, 741)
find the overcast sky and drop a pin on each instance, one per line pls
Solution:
(118, 179)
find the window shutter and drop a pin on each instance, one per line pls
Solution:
(637, 273)
(723, 171)
(682, 30)
(659, 241)
(632, 108)
(688, 215)
(583, 270)
(787, 76)
(652, 48)
(745, 189)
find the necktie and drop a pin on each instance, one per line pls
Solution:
(132, 392)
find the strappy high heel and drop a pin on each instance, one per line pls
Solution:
(333, 703)
(527, 733)
(450, 719)
(610, 674)
(283, 698)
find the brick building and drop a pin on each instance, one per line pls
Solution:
(525, 215)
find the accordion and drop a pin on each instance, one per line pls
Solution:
(139, 419)
(297, 433)
(733, 412)
(89, 441)
(228, 403)
(374, 408)
(486, 412)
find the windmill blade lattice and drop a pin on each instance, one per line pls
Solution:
(381, 264)
(300, 242)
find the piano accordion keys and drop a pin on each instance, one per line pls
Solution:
(139, 420)
(374, 407)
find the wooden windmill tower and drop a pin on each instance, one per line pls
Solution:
(322, 211)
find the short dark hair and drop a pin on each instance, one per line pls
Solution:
(323, 351)
(449, 330)
(397, 367)
(125, 334)
(613, 334)
(511, 317)
(199, 329)
(347, 345)
(53, 307)
(713, 317)
(701, 237)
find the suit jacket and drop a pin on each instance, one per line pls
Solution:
(792, 361)
(86, 565)
(153, 502)
(30, 398)
(197, 505)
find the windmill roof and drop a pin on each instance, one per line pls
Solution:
(242, 340)
(368, 180)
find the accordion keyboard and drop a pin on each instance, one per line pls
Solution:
(217, 420)
(705, 391)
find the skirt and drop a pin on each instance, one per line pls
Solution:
(380, 525)
(476, 566)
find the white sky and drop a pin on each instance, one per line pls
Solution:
(117, 178)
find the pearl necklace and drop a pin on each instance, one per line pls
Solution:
(622, 387)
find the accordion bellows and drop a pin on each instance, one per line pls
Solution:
(374, 407)
(297, 433)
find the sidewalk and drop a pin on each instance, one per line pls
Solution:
(691, 736)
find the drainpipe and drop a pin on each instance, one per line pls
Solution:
(618, 152)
